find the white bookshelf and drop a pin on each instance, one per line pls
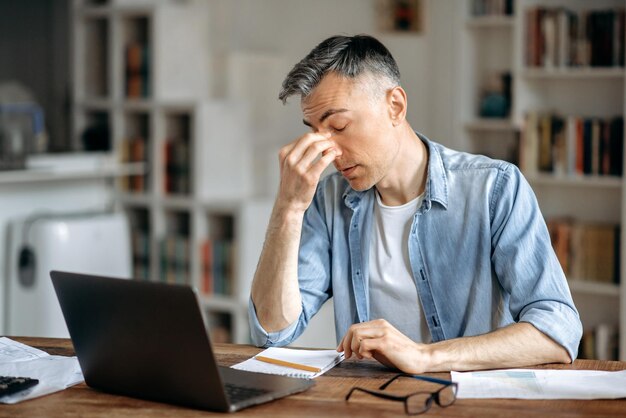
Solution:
(615, 74)
(485, 53)
(197, 185)
(497, 43)
(490, 22)
(479, 125)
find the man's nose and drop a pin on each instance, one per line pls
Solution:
(337, 147)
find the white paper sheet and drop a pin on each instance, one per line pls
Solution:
(322, 359)
(55, 373)
(541, 384)
(14, 351)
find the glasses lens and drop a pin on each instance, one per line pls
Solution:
(418, 403)
(447, 395)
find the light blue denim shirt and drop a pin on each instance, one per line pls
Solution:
(479, 250)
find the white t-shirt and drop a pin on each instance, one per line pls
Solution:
(392, 291)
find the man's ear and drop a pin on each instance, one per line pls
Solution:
(397, 103)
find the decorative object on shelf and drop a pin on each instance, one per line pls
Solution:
(400, 15)
(496, 100)
(97, 136)
(22, 130)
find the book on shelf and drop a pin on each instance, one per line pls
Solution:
(218, 266)
(587, 251)
(177, 166)
(134, 150)
(137, 70)
(558, 37)
(571, 145)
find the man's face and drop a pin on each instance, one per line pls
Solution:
(360, 125)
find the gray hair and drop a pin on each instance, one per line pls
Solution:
(348, 56)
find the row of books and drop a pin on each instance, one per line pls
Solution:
(600, 343)
(573, 145)
(492, 7)
(137, 70)
(218, 266)
(133, 150)
(177, 166)
(587, 251)
(559, 37)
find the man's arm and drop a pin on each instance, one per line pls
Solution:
(516, 345)
(275, 291)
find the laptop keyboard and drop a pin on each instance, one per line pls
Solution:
(240, 393)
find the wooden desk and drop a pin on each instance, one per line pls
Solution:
(325, 399)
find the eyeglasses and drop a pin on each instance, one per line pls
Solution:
(417, 402)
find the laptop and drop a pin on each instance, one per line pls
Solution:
(148, 340)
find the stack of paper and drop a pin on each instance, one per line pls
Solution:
(306, 364)
(54, 372)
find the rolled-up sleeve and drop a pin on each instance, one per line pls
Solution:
(313, 277)
(262, 338)
(526, 264)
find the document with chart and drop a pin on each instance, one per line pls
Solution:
(541, 384)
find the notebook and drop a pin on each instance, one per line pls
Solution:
(148, 340)
(290, 362)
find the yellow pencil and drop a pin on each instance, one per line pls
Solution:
(288, 364)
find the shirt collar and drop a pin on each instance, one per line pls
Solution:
(437, 181)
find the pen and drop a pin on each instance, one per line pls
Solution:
(289, 364)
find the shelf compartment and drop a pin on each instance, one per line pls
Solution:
(137, 57)
(134, 148)
(594, 288)
(177, 154)
(218, 256)
(219, 326)
(95, 130)
(139, 219)
(550, 40)
(174, 248)
(574, 73)
(589, 252)
(573, 147)
(575, 181)
(491, 125)
(96, 80)
(490, 22)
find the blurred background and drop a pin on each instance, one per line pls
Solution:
(139, 138)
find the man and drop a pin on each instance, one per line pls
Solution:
(437, 260)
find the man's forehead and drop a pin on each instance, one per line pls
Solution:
(331, 94)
